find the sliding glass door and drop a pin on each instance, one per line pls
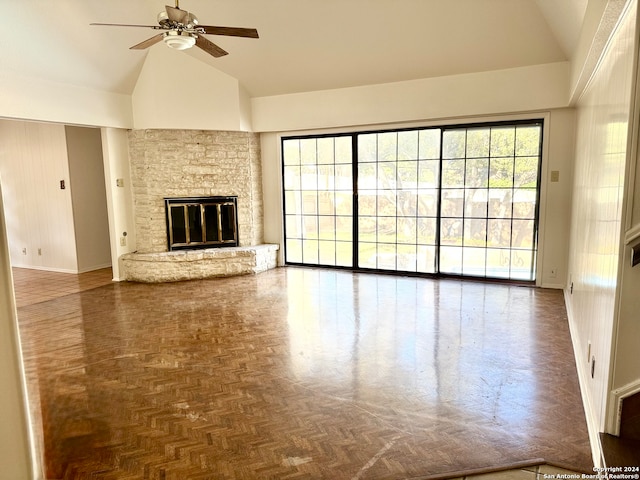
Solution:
(398, 180)
(318, 200)
(457, 200)
(489, 197)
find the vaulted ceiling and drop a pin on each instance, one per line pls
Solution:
(304, 45)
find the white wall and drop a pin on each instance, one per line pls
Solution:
(33, 161)
(272, 190)
(523, 89)
(15, 452)
(115, 151)
(62, 230)
(29, 98)
(89, 199)
(555, 199)
(187, 95)
(598, 190)
(542, 90)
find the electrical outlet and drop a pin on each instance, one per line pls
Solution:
(123, 241)
(553, 273)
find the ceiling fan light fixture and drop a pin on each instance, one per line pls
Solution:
(179, 40)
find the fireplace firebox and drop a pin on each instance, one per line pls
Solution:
(201, 222)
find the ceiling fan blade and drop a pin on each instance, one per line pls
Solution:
(210, 47)
(177, 15)
(229, 31)
(148, 42)
(155, 27)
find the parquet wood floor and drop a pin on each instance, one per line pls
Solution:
(35, 286)
(301, 374)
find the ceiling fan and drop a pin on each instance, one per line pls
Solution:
(181, 30)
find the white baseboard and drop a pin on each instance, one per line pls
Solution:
(583, 375)
(62, 270)
(95, 267)
(46, 269)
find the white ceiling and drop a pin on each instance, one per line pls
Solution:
(304, 45)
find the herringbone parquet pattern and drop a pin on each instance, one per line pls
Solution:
(301, 374)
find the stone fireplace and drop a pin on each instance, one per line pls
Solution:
(185, 164)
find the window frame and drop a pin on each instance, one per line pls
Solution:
(538, 121)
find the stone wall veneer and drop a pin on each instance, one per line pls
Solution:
(194, 163)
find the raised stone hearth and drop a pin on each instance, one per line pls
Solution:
(197, 264)
(195, 163)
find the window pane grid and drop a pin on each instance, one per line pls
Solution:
(501, 216)
(318, 201)
(453, 200)
(398, 177)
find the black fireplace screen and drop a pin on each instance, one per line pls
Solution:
(202, 222)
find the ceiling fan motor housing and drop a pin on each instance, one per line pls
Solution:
(166, 22)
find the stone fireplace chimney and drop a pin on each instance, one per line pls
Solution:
(194, 163)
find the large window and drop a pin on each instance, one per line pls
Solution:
(457, 200)
(318, 200)
(398, 181)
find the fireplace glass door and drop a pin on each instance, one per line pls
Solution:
(201, 222)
